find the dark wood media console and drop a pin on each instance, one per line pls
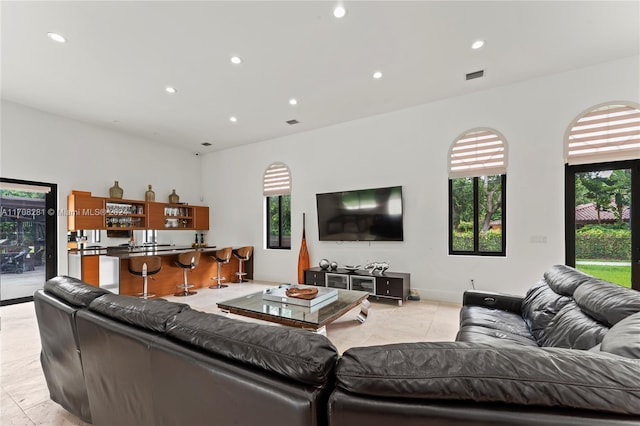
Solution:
(389, 285)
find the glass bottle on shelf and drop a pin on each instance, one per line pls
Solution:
(149, 195)
(115, 191)
(174, 198)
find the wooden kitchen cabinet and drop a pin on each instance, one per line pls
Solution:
(85, 211)
(88, 212)
(201, 218)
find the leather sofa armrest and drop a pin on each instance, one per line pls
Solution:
(500, 301)
(551, 377)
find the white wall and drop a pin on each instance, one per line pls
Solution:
(409, 148)
(39, 146)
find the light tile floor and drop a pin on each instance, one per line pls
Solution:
(24, 398)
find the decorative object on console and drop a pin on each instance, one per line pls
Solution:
(303, 256)
(149, 195)
(334, 265)
(174, 198)
(351, 268)
(324, 264)
(115, 191)
(302, 293)
(377, 266)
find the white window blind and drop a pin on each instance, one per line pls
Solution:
(606, 133)
(277, 180)
(478, 152)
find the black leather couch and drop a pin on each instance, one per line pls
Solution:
(567, 354)
(119, 360)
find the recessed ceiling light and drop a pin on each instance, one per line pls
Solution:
(339, 11)
(377, 75)
(293, 101)
(233, 119)
(170, 89)
(57, 37)
(477, 44)
(236, 60)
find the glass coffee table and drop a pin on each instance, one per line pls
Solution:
(285, 312)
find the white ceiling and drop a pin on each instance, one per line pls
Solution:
(121, 55)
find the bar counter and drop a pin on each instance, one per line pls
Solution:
(164, 283)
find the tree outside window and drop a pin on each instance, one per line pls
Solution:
(476, 206)
(279, 222)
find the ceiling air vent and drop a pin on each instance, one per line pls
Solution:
(475, 74)
(292, 122)
(205, 144)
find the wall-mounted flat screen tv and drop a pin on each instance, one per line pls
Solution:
(361, 215)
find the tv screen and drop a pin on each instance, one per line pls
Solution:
(362, 215)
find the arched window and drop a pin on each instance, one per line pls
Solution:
(478, 152)
(276, 187)
(477, 193)
(609, 132)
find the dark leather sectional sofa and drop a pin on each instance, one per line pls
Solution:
(567, 354)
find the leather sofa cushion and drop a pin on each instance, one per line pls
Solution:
(550, 377)
(494, 319)
(624, 338)
(573, 329)
(297, 354)
(73, 291)
(150, 314)
(479, 334)
(607, 302)
(540, 306)
(564, 279)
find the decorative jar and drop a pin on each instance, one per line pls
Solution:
(174, 198)
(149, 195)
(115, 191)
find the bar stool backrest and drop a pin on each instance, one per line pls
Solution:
(136, 264)
(245, 252)
(223, 255)
(189, 259)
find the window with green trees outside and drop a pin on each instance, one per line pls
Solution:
(279, 222)
(476, 212)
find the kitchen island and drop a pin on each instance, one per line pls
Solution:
(108, 267)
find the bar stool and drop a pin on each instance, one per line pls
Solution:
(242, 254)
(144, 266)
(187, 261)
(221, 257)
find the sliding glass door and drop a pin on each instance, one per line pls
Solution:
(28, 238)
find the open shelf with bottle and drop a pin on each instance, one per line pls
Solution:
(124, 214)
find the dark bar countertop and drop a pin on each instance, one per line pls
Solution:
(124, 252)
